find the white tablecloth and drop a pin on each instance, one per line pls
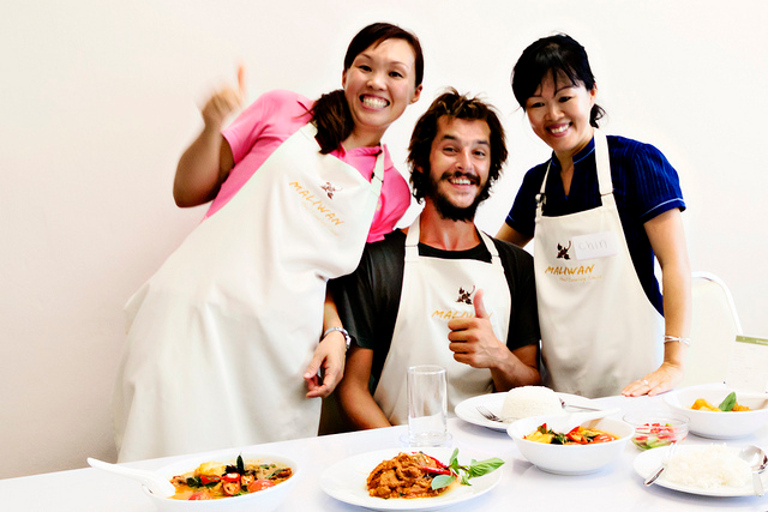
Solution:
(523, 486)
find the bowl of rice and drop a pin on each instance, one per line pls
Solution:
(719, 424)
(571, 459)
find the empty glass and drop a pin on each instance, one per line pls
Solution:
(427, 406)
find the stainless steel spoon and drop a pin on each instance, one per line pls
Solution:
(156, 483)
(757, 460)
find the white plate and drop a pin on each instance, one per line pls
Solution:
(467, 410)
(650, 460)
(346, 481)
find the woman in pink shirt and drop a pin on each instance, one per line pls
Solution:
(227, 341)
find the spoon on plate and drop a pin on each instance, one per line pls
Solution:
(566, 405)
(154, 482)
(757, 461)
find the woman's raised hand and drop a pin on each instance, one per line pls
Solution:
(224, 102)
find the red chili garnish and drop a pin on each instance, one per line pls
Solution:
(231, 477)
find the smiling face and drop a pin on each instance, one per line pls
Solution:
(559, 114)
(458, 167)
(378, 86)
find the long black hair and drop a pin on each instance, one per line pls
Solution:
(558, 55)
(331, 114)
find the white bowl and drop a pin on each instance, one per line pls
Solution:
(720, 425)
(266, 500)
(571, 459)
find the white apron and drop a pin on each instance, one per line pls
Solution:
(220, 336)
(599, 331)
(434, 291)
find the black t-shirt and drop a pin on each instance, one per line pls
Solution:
(369, 298)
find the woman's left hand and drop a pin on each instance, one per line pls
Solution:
(665, 378)
(330, 355)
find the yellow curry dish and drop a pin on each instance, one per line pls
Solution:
(216, 480)
(577, 435)
(730, 404)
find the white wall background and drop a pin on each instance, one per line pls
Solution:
(98, 99)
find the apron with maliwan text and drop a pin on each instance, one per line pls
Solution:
(219, 338)
(434, 291)
(599, 331)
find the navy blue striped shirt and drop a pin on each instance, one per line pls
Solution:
(644, 183)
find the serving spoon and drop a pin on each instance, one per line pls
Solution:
(757, 461)
(567, 422)
(154, 482)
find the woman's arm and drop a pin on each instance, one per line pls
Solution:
(330, 354)
(355, 397)
(512, 235)
(207, 161)
(667, 238)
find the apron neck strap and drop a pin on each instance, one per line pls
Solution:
(602, 163)
(377, 178)
(412, 242)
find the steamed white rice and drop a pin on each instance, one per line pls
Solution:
(528, 401)
(708, 467)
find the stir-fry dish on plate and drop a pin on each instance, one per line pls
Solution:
(418, 475)
(215, 480)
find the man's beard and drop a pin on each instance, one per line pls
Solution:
(449, 211)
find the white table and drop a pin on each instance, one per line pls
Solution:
(523, 487)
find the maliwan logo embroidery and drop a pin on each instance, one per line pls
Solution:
(562, 252)
(330, 189)
(465, 296)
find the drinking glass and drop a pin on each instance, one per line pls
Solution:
(427, 406)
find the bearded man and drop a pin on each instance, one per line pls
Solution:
(442, 293)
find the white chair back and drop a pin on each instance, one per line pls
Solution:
(715, 325)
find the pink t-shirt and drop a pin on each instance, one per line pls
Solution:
(274, 117)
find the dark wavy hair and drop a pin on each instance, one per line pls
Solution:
(331, 114)
(454, 106)
(558, 55)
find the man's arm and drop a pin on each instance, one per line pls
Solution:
(355, 397)
(473, 342)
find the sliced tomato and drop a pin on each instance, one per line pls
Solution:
(198, 496)
(260, 485)
(602, 438)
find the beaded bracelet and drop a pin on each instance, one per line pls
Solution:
(668, 339)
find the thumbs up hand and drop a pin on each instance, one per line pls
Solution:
(473, 341)
(224, 102)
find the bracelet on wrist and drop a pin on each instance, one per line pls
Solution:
(343, 331)
(669, 339)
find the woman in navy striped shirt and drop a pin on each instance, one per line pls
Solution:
(599, 212)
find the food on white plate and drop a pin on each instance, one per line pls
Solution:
(577, 435)
(727, 405)
(708, 467)
(418, 475)
(528, 401)
(215, 480)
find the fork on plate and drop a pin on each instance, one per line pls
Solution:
(487, 414)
